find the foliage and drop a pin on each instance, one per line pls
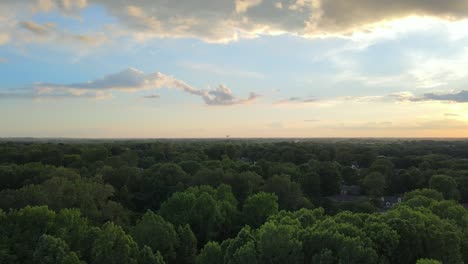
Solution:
(233, 201)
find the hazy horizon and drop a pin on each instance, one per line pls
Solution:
(97, 69)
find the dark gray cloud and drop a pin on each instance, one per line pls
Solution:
(296, 100)
(152, 96)
(460, 97)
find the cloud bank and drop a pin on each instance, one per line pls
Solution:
(230, 20)
(405, 96)
(460, 97)
(227, 20)
(132, 80)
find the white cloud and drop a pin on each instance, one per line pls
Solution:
(429, 71)
(223, 96)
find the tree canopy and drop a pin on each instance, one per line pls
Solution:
(234, 201)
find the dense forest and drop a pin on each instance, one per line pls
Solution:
(234, 201)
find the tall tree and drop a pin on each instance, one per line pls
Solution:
(153, 231)
(113, 246)
(51, 250)
(187, 247)
(258, 207)
(446, 185)
(374, 183)
(210, 254)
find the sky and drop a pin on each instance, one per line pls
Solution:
(238, 68)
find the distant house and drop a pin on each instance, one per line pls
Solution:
(350, 190)
(387, 202)
(355, 166)
(347, 198)
(349, 193)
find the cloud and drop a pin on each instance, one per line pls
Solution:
(349, 16)
(223, 96)
(3, 60)
(227, 20)
(134, 80)
(243, 5)
(459, 97)
(34, 32)
(430, 71)
(37, 29)
(63, 5)
(404, 96)
(57, 93)
(223, 21)
(297, 100)
(210, 20)
(4, 38)
(152, 96)
(17, 25)
(451, 114)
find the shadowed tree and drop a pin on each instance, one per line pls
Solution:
(187, 248)
(374, 183)
(113, 246)
(210, 254)
(51, 250)
(258, 207)
(153, 231)
(147, 256)
(446, 185)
